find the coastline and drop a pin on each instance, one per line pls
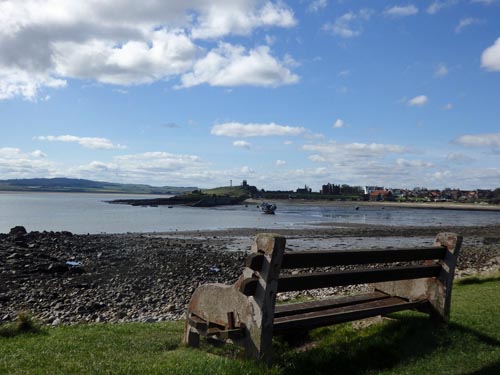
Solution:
(412, 205)
(150, 276)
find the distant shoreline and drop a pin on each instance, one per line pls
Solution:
(427, 205)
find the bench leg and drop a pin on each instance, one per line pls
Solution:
(191, 336)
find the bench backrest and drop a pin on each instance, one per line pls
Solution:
(427, 274)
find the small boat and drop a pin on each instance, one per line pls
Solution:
(268, 208)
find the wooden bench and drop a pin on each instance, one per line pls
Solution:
(245, 313)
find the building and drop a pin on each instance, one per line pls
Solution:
(381, 196)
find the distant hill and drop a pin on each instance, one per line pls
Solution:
(72, 185)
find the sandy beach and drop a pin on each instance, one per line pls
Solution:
(63, 278)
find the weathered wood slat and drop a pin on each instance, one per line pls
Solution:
(325, 304)
(212, 329)
(343, 314)
(202, 324)
(288, 283)
(326, 258)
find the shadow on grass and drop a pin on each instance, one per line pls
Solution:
(343, 350)
(24, 324)
(477, 280)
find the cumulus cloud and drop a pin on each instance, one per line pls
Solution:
(490, 58)
(479, 140)
(157, 167)
(418, 101)
(15, 82)
(339, 123)
(317, 5)
(15, 163)
(236, 129)
(240, 17)
(242, 144)
(122, 42)
(465, 22)
(280, 163)
(401, 11)
(350, 24)
(230, 65)
(161, 55)
(87, 142)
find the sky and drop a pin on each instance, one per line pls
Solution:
(280, 93)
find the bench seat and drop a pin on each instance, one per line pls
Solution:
(246, 313)
(315, 314)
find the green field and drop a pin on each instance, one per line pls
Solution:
(407, 344)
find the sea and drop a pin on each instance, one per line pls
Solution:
(83, 213)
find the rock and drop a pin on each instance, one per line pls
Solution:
(18, 231)
(56, 322)
(57, 268)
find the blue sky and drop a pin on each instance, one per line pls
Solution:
(280, 93)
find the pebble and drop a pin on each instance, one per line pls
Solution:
(145, 277)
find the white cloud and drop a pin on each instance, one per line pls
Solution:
(479, 140)
(418, 101)
(240, 18)
(38, 154)
(160, 168)
(349, 25)
(465, 22)
(490, 58)
(437, 6)
(413, 163)
(14, 163)
(280, 163)
(448, 106)
(441, 70)
(459, 158)
(401, 11)
(230, 65)
(317, 5)
(163, 54)
(16, 82)
(87, 142)
(247, 170)
(371, 163)
(43, 43)
(236, 129)
(339, 123)
(242, 144)
(358, 150)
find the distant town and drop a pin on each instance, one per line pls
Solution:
(380, 193)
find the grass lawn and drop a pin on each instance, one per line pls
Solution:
(409, 344)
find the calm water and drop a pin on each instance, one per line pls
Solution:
(88, 213)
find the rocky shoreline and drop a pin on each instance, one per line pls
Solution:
(61, 277)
